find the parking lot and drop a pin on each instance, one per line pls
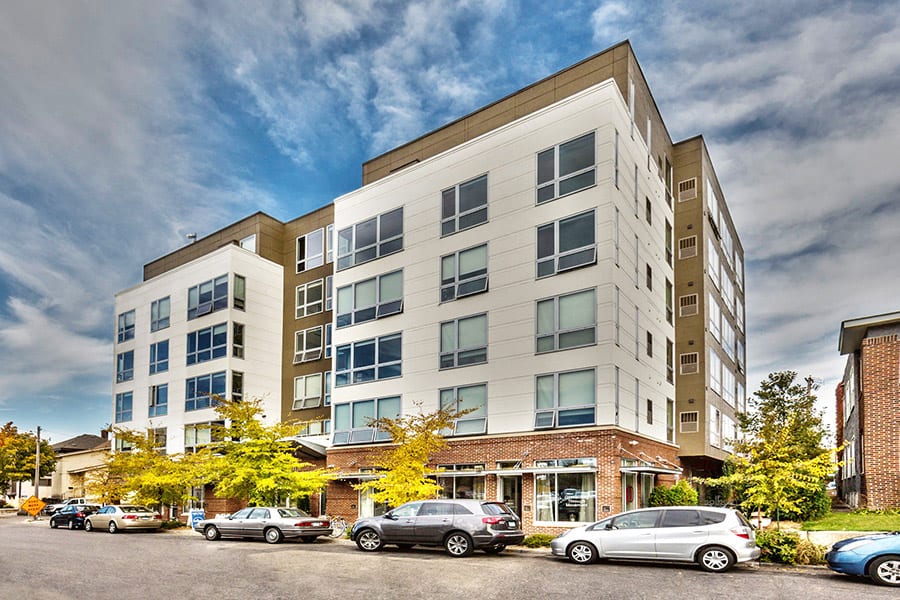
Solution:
(37, 562)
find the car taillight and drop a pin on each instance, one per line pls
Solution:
(741, 532)
(158, 516)
(492, 520)
(129, 516)
(79, 514)
(303, 524)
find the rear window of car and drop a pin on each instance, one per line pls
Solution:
(496, 508)
(291, 513)
(711, 518)
(134, 509)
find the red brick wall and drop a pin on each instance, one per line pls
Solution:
(839, 427)
(880, 421)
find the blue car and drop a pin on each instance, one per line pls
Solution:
(876, 556)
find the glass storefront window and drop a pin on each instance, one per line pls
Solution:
(565, 497)
(466, 487)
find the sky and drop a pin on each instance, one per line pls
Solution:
(126, 125)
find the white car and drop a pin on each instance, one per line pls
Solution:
(52, 508)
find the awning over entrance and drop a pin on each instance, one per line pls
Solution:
(651, 469)
(358, 476)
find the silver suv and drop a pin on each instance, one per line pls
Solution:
(460, 526)
(714, 538)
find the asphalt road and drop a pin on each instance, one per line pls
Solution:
(38, 563)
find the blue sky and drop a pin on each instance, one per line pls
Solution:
(125, 126)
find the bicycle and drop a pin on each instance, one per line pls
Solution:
(338, 526)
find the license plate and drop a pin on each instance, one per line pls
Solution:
(145, 518)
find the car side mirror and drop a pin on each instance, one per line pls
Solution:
(390, 516)
(609, 526)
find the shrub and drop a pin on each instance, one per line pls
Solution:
(538, 540)
(812, 506)
(809, 553)
(680, 494)
(778, 546)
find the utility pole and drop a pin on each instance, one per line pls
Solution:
(37, 465)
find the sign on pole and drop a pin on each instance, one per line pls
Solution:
(33, 505)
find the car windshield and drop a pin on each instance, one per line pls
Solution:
(290, 513)
(134, 509)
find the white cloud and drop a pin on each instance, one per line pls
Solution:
(609, 22)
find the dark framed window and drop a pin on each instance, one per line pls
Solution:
(464, 205)
(368, 360)
(464, 341)
(566, 168)
(370, 299)
(566, 244)
(126, 326)
(208, 297)
(370, 239)
(464, 273)
(207, 344)
(565, 399)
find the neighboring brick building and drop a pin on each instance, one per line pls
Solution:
(868, 410)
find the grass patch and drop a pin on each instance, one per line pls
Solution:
(856, 521)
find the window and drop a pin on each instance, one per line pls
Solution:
(208, 297)
(125, 366)
(668, 243)
(237, 340)
(739, 315)
(160, 437)
(329, 243)
(564, 496)
(715, 427)
(687, 247)
(237, 386)
(727, 385)
(159, 314)
(159, 357)
(567, 321)
(687, 305)
(327, 401)
(689, 363)
(669, 311)
(370, 239)
(198, 391)
(670, 361)
(713, 262)
(649, 345)
(309, 299)
(616, 162)
(670, 420)
(371, 299)
(464, 341)
(249, 243)
(636, 191)
(328, 342)
(464, 205)
(649, 411)
(329, 291)
(618, 315)
(126, 326)
(469, 487)
(727, 291)
(728, 338)
(616, 237)
(368, 360)
(637, 262)
(124, 402)
(307, 391)
(566, 168)
(740, 354)
(689, 421)
(353, 420)
(715, 317)
(464, 273)
(566, 244)
(310, 250)
(202, 434)
(637, 332)
(565, 399)
(159, 400)
(207, 344)
(308, 344)
(648, 211)
(740, 398)
(715, 372)
(240, 292)
(649, 277)
(464, 398)
(738, 270)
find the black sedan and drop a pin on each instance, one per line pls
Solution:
(72, 516)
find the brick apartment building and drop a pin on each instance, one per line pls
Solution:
(868, 412)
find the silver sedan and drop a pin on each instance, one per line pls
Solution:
(272, 524)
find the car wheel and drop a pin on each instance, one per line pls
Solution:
(368, 540)
(886, 570)
(88, 526)
(458, 544)
(715, 559)
(582, 553)
(113, 527)
(53, 524)
(495, 549)
(273, 535)
(211, 533)
(73, 525)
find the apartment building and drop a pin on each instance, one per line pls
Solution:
(868, 412)
(709, 324)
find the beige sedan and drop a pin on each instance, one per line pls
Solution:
(127, 516)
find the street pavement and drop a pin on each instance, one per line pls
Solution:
(39, 563)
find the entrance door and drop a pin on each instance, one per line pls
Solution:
(509, 491)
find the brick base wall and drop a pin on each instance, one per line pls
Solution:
(880, 421)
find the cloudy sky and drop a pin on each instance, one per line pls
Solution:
(126, 125)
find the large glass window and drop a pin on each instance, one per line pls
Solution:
(368, 360)
(237, 386)
(469, 487)
(715, 372)
(126, 326)
(125, 366)
(464, 273)
(199, 391)
(237, 340)
(567, 321)
(464, 205)
(464, 341)
(565, 496)
(124, 405)
(307, 391)
(353, 420)
(370, 239)
(308, 344)
(159, 400)
(310, 250)
(159, 357)
(464, 398)
(240, 292)
(159, 314)
(207, 343)
(208, 297)
(309, 299)
(715, 317)
(565, 399)
(202, 434)
(566, 244)
(566, 168)
(370, 299)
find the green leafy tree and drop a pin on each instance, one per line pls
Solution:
(17, 451)
(680, 494)
(256, 461)
(404, 465)
(781, 466)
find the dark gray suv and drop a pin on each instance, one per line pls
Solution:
(460, 526)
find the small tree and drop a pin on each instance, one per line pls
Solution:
(17, 451)
(255, 461)
(404, 464)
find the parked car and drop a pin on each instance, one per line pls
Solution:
(272, 524)
(876, 556)
(52, 508)
(460, 526)
(714, 538)
(72, 516)
(125, 516)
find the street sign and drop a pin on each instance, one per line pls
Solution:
(33, 505)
